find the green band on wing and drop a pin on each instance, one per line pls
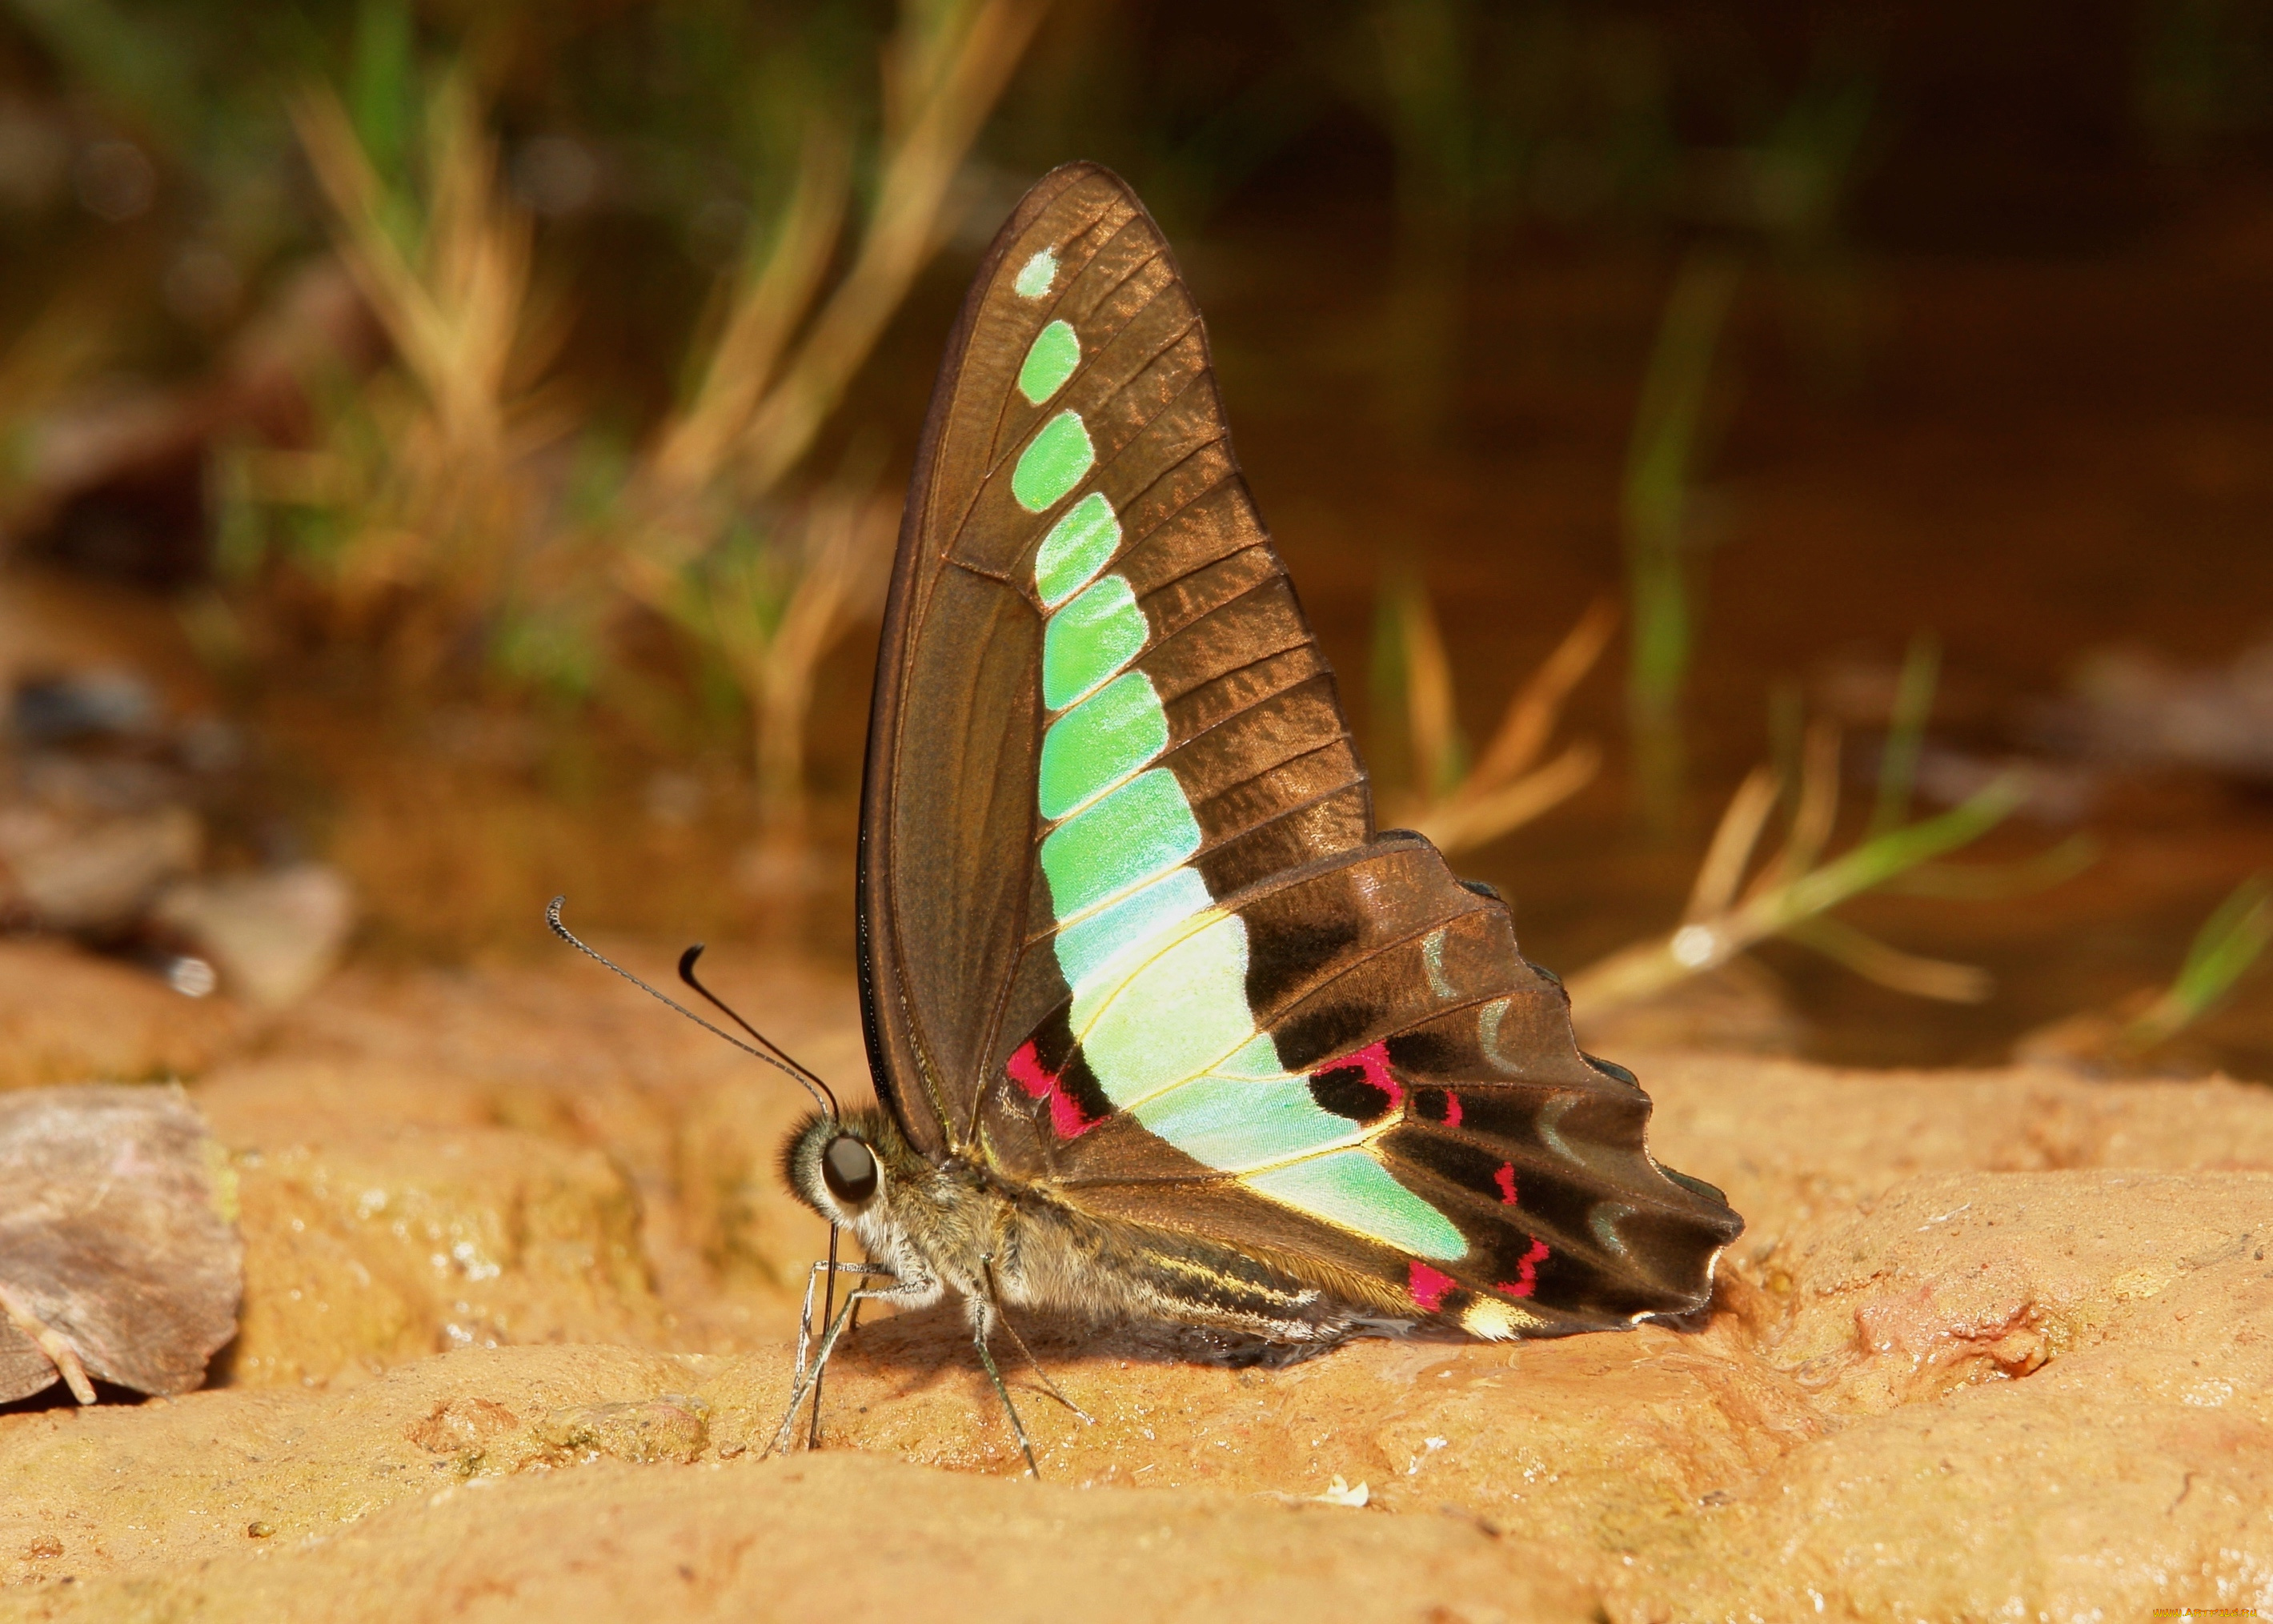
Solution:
(1100, 742)
(1091, 639)
(1119, 841)
(1235, 1123)
(1077, 546)
(1258, 1060)
(1092, 947)
(1159, 976)
(1050, 361)
(1349, 1188)
(1053, 462)
(1182, 1008)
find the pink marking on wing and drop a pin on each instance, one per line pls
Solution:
(1065, 1115)
(1526, 1269)
(1505, 1179)
(1429, 1286)
(1373, 1060)
(1451, 1110)
(1025, 1069)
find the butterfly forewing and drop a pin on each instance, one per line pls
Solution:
(1129, 937)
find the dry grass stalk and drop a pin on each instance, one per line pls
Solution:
(1793, 892)
(946, 70)
(433, 484)
(429, 476)
(761, 401)
(773, 607)
(701, 440)
(1874, 960)
(1459, 810)
(1431, 723)
(64, 344)
(1734, 841)
(847, 544)
(454, 313)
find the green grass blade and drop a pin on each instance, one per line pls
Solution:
(1660, 460)
(2230, 940)
(1880, 858)
(1906, 731)
(1999, 881)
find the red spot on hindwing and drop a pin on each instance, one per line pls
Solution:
(1505, 1179)
(1451, 1110)
(1371, 1063)
(1527, 1271)
(1429, 1286)
(1025, 1069)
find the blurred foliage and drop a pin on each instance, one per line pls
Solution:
(464, 509)
(2203, 78)
(565, 422)
(1421, 766)
(1672, 435)
(2230, 940)
(1792, 893)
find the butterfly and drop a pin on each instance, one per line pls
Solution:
(1161, 1027)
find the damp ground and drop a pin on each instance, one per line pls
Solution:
(521, 1288)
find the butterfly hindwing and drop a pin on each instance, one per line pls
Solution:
(1408, 1088)
(1130, 939)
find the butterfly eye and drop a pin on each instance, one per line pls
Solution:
(849, 1169)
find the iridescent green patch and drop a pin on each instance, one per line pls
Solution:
(1348, 1187)
(1078, 545)
(1089, 640)
(1050, 361)
(1053, 462)
(1258, 1060)
(1099, 742)
(1183, 1009)
(1118, 841)
(1091, 947)
(1235, 1123)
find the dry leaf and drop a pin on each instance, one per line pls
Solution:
(119, 1256)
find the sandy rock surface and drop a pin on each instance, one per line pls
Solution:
(520, 1283)
(68, 1017)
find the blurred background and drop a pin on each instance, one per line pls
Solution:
(1788, 487)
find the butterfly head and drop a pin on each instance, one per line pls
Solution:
(845, 1167)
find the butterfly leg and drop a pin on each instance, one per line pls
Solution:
(824, 1266)
(1042, 1375)
(986, 1314)
(1018, 1427)
(916, 1291)
(811, 1284)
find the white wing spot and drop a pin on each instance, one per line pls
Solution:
(1432, 960)
(1603, 1221)
(1488, 1036)
(1038, 275)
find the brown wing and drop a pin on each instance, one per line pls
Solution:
(1129, 937)
(954, 913)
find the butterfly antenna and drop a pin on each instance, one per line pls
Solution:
(812, 1085)
(686, 974)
